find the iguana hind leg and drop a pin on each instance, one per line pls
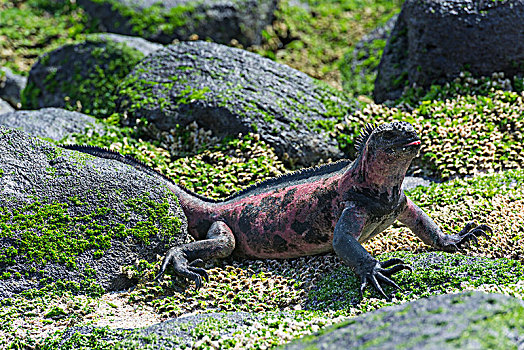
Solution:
(187, 259)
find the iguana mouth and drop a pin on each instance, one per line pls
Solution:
(414, 143)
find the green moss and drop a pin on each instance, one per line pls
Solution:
(359, 69)
(91, 87)
(150, 21)
(30, 28)
(339, 290)
(44, 233)
(492, 332)
(94, 340)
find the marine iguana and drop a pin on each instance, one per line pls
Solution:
(317, 210)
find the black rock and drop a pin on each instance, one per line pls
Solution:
(73, 217)
(472, 320)
(53, 123)
(84, 76)
(231, 91)
(434, 40)
(166, 20)
(11, 85)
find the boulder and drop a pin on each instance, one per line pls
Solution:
(5, 107)
(84, 76)
(71, 217)
(52, 123)
(166, 20)
(359, 67)
(11, 86)
(472, 320)
(231, 91)
(434, 40)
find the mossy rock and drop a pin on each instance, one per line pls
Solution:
(50, 123)
(433, 41)
(70, 216)
(231, 91)
(166, 20)
(472, 320)
(83, 77)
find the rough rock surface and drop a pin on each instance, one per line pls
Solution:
(231, 91)
(70, 216)
(164, 21)
(53, 123)
(5, 107)
(433, 40)
(11, 85)
(84, 76)
(472, 320)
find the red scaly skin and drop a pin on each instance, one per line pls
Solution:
(299, 219)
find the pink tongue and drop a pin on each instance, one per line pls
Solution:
(413, 143)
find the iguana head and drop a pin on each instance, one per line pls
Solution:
(384, 155)
(395, 141)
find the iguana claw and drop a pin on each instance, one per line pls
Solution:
(180, 264)
(468, 233)
(379, 272)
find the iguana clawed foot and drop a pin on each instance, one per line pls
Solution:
(377, 272)
(191, 270)
(470, 232)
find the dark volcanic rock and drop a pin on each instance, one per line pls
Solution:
(70, 216)
(53, 123)
(11, 85)
(166, 20)
(5, 107)
(231, 91)
(471, 320)
(433, 40)
(84, 76)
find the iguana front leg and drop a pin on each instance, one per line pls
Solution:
(425, 228)
(186, 259)
(349, 227)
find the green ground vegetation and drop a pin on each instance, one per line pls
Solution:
(150, 21)
(29, 28)
(358, 68)
(313, 36)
